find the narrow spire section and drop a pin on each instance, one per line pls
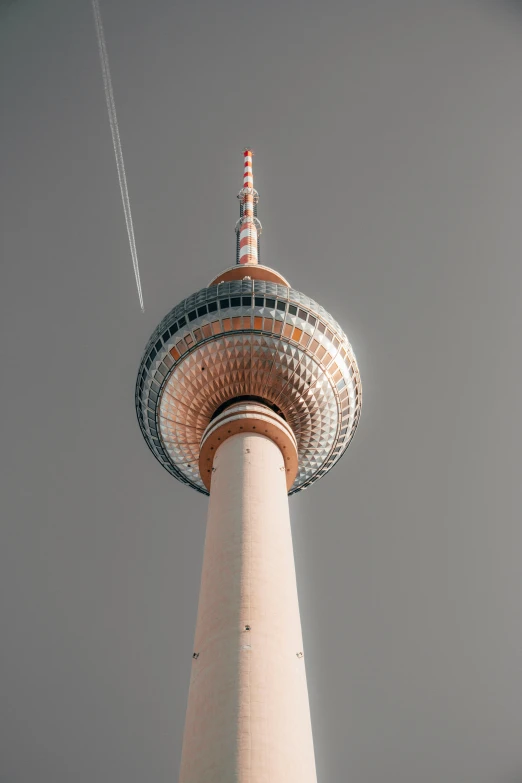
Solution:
(248, 227)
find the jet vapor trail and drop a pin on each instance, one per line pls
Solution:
(113, 120)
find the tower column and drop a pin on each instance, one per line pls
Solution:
(248, 718)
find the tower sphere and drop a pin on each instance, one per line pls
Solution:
(248, 336)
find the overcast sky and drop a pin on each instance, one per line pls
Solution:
(388, 140)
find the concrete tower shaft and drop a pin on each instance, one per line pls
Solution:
(248, 717)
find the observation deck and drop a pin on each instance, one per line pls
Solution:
(248, 339)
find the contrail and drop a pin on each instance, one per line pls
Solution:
(113, 120)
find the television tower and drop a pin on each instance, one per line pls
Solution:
(248, 391)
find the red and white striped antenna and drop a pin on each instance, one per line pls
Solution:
(248, 227)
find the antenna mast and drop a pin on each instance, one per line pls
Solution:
(248, 227)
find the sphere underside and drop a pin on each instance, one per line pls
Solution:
(248, 338)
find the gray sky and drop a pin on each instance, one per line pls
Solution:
(389, 162)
